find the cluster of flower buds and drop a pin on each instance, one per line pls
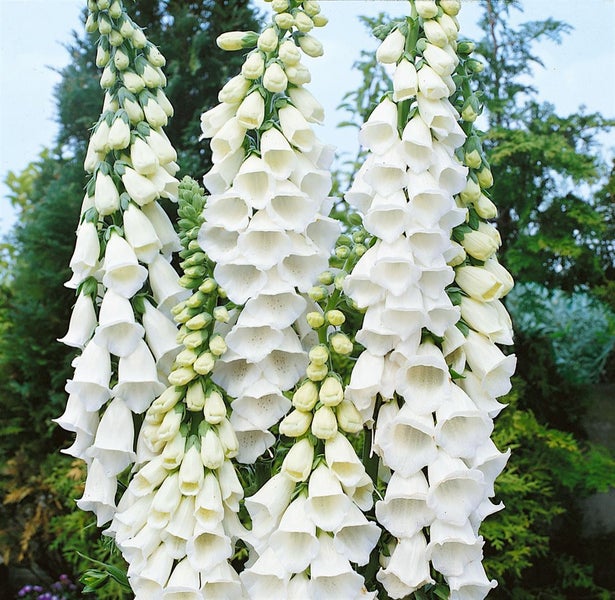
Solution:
(308, 520)
(176, 524)
(121, 263)
(432, 380)
(265, 221)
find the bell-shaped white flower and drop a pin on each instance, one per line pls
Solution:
(160, 334)
(230, 486)
(90, 382)
(472, 584)
(404, 510)
(138, 381)
(314, 182)
(406, 443)
(163, 227)
(213, 119)
(405, 81)
(154, 576)
(76, 418)
(266, 578)
(417, 143)
(454, 489)
(84, 260)
(386, 173)
(297, 464)
(228, 139)
(379, 132)
(365, 380)
(164, 282)
(490, 461)
(82, 323)
(343, 461)
(184, 582)
(359, 285)
(331, 573)
(80, 446)
(388, 217)
(299, 587)
(208, 507)
(408, 567)
(208, 547)
(461, 427)
(489, 363)
(279, 157)
(269, 503)
(117, 330)
(264, 243)
(327, 504)
(140, 234)
(439, 60)
(254, 182)
(296, 129)
(450, 174)
(294, 541)
(452, 547)
(221, 581)
(488, 318)
(220, 177)
(309, 107)
(99, 493)
(391, 48)
(227, 210)
(122, 271)
(219, 243)
(501, 275)
(356, 537)
(439, 115)
(114, 442)
(165, 502)
(430, 84)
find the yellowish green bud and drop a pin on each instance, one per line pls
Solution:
(485, 177)
(426, 9)
(324, 423)
(315, 319)
(284, 20)
(348, 417)
(138, 38)
(236, 40)
(102, 57)
(288, 53)
(311, 46)
(311, 7)
(274, 79)
(335, 317)
(116, 38)
(194, 339)
(297, 463)
(221, 314)
(341, 344)
(195, 397)
(204, 364)
(217, 345)
(268, 40)
(280, 6)
(198, 321)
(215, 408)
(471, 193)
(331, 392)
(473, 159)
(186, 357)
(316, 372)
(485, 209)
(306, 396)
(319, 20)
(319, 354)
(303, 22)
(450, 7)
(182, 376)
(296, 423)
(254, 66)
(208, 286)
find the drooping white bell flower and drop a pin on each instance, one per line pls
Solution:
(379, 132)
(266, 578)
(122, 272)
(388, 217)
(90, 381)
(331, 573)
(454, 489)
(99, 493)
(228, 139)
(226, 210)
(113, 446)
(277, 153)
(164, 282)
(327, 504)
(478, 283)
(405, 81)
(106, 196)
(408, 567)
(220, 177)
(76, 418)
(296, 129)
(294, 541)
(490, 461)
(343, 461)
(404, 511)
(160, 334)
(221, 581)
(163, 227)
(82, 323)
(452, 547)
(489, 363)
(356, 537)
(138, 382)
(208, 547)
(472, 584)
(84, 260)
(140, 234)
(117, 329)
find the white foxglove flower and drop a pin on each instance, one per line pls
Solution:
(408, 567)
(76, 418)
(417, 143)
(269, 503)
(404, 511)
(219, 178)
(212, 451)
(279, 157)
(208, 547)
(472, 584)
(331, 574)
(327, 504)
(295, 541)
(439, 115)
(213, 119)
(296, 129)
(90, 381)
(221, 581)
(99, 493)
(489, 318)
(392, 48)
(154, 575)
(309, 107)
(405, 81)
(439, 60)
(455, 490)
(160, 334)
(478, 283)
(502, 276)
(84, 261)
(356, 537)
(114, 442)
(106, 196)
(228, 139)
(141, 234)
(117, 329)
(208, 507)
(164, 282)
(490, 461)
(489, 363)
(343, 461)
(430, 84)
(452, 547)
(163, 227)
(122, 272)
(82, 323)
(266, 578)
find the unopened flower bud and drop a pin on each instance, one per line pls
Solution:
(234, 90)
(268, 40)
(217, 345)
(471, 193)
(297, 463)
(318, 293)
(335, 317)
(284, 20)
(311, 46)
(331, 392)
(186, 357)
(450, 7)
(485, 177)
(319, 354)
(204, 364)
(214, 408)
(119, 135)
(392, 48)
(208, 286)
(341, 344)
(319, 20)
(212, 452)
(133, 82)
(198, 321)
(473, 159)
(288, 53)
(138, 39)
(221, 314)
(182, 376)
(348, 417)
(274, 79)
(316, 372)
(102, 56)
(311, 7)
(251, 111)
(485, 209)
(306, 396)
(195, 397)
(296, 423)
(303, 22)
(324, 423)
(315, 319)
(236, 40)
(254, 66)
(194, 339)
(107, 79)
(435, 34)
(426, 9)
(116, 38)
(228, 438)
(280, 6)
